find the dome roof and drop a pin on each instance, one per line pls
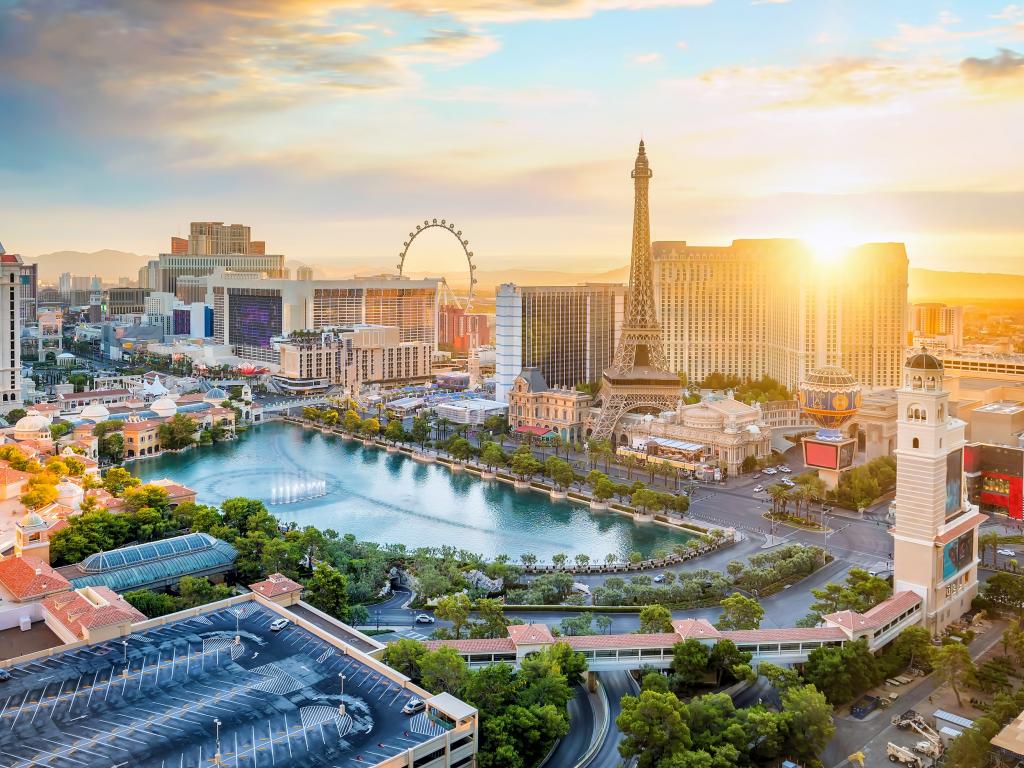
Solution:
(65, 356)
(95, 412)
(164, 407)
(215, 395)
(924, 361)
(32, 422)
(30, 520)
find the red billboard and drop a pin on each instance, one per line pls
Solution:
(821, 455)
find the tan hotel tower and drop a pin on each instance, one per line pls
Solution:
(935, 536)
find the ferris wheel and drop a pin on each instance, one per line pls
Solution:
(449, 296)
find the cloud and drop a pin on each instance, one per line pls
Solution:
(1005, 64)
(837, 82)
(646, 58)
(1011, 12)
(768, 2)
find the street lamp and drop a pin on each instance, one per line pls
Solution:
(216, 757)
(341, 706)
(124, 644)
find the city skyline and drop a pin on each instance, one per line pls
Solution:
(336, 126)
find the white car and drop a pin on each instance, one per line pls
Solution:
(786, 470)
(414, 706)
(659, 578)
(424, 618)
(277, 626)
(769, 471)
(1007, 552)
(788, 483)
(758, 488)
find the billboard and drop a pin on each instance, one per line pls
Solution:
(957, 554)
(822, 455)
(846, 451)
(954, 482)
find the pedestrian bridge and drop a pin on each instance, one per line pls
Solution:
(784, 647)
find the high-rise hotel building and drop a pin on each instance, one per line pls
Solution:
(567, 332)
(769, 307)
(213, 245)
(249, 311)
(10, 330)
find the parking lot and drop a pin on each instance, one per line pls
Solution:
(157, 699)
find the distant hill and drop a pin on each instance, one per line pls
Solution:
(933, 285)
(108, 264)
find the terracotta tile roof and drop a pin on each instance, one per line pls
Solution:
(274, 585)
(879, 616)
(655, 640)
(480, 645)
(59, 525)
(969, 522)
(530, 634)
(141, 426)
(695, 628)
(78, 613)
(28, 578)
(9, 476)
(784, 635)
(887, 610)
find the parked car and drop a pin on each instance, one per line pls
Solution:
(659, 578)
(279, 624)
(424, 618)
(4, 675)
(786, 470)
(769, 471)
(414, 706)
(758, 488)
(787, 482)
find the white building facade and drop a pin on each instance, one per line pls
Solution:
(935, 536)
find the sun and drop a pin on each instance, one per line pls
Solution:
(830, 240)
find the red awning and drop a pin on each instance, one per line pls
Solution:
(535, 431)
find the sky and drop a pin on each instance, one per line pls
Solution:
(333, 126)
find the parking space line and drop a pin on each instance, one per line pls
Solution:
(15, 721)
(396, 697)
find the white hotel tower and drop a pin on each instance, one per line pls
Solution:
(935, 536)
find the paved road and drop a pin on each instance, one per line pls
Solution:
(581, 729)
(616, 685)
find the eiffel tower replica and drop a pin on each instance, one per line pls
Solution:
(639, 379)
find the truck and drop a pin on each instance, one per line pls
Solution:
(902, 755)
(932, 743)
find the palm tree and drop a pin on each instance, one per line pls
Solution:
(986, 541)
(779, 496)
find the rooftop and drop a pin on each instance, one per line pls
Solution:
(156, 563)
(275, 695)
(28, 578)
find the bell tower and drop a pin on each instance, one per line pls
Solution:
(935, 535)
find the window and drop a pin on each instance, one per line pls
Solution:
(917, 443)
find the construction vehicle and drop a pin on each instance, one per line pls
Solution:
(932, 744)
(857, 759)
(898, 754)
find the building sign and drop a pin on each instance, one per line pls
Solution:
(957, 554)
(828, 454)
(954, 482)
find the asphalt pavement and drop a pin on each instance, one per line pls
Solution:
(616, 685)
(574, 744)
